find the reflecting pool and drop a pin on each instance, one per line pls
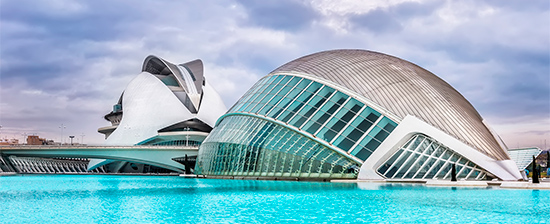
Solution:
(161, 199)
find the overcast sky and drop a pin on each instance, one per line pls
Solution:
(67, 62)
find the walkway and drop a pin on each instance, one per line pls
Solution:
(160, 156)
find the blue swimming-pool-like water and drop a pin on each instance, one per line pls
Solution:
(170, 199)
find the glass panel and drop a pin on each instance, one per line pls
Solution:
(454, 158)
(438, 152)
(354, 105)
(381, 136)
(325, 91)
(278, 79)
(403, 168)
(443, 170)
(464, 172)
(424, 168)
(352, 133)
(339, 98)
(446, 155)
(321, 116)
(308, 110)
(344, 143)
(292, 95)
(336, 124)
(295, 106)
(388, 163)
(304, 96)
(327, 134)
(361, 145)
(416, 166)
(270, 104)
(430, 150)
(373, 144)
(312, 126)
(330, 107)
(364, 125)
(461, 160)
(262, 102)
(434, 169)
(372, 117)
(303, 84)
(341, 118)
(298, 120)
(250, 102)
(398, 164)
(389, 127)
(279, 108)
(363, 154)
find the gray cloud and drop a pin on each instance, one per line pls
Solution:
(377, 21)
(289, 15)
(392, 19)
(68, 61)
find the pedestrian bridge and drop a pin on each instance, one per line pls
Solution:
(160, 156)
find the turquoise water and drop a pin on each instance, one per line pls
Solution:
(150, 199)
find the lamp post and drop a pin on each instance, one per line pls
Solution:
(82, 138)
(71, 137)
(61, 139)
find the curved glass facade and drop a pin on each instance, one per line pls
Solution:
(343, 130)
(258, 147)
(320, 110)
(423, 158)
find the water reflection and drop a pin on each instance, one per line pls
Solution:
(179, 200)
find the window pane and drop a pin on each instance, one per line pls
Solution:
(363, 154)
(327, 134)
(344, 143)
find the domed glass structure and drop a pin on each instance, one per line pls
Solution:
(349, 114)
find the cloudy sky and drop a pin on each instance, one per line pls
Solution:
(66, 62)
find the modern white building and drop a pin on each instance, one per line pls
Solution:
(354, 114)
(165, 105)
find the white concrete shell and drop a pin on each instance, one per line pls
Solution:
(156, 105)
(149, 104)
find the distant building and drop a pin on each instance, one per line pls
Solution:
(35, 140)
(6, 141)
(354, 114)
